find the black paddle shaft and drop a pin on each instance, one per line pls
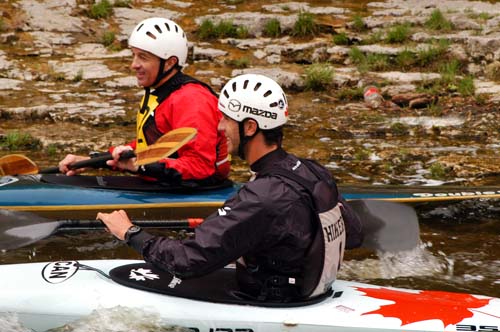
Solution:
(92, 162)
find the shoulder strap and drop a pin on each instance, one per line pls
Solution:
(176, 82)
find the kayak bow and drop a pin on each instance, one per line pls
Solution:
(42, 302)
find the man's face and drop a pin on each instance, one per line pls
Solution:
(146, 66)
(231, 130)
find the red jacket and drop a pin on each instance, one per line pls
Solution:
(193, 105)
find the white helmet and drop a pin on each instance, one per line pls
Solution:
(162, 37)
(257, 97)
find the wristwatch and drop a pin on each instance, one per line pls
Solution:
(133, 230)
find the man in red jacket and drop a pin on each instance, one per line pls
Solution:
(160, 48)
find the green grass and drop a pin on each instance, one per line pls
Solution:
(398, 34)
(122, 3)
(437, 21)
(399, 129)
(243, 62)
(436, 52)
(466, 86)
(305, 26)
(349, 94)
(405, 60)
(101, 9)
(272, 28)
(319, 77)
(107, 38)
(358, 24)
(341, 39)
(223, 29)
(19, 141)
(437, 171)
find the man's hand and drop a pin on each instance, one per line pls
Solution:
(126, 164)
(69, 160)
(117, 222)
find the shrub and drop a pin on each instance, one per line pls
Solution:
(19, 141)
(437, 21)
(101, 9)
(437, 171)
(107, 38)
(341, 39)
(318, 77)
(224, 29)
(358, 24)
(305, 25)
(272, 28)
(398, 33)
(466, 86)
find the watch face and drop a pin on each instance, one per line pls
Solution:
(131, 231)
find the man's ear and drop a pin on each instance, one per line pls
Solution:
(172, 61)
(251, 127)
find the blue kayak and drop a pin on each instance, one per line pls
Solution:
(84, 196)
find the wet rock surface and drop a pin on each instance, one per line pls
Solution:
(59, 82)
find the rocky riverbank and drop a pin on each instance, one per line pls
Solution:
(64, 78)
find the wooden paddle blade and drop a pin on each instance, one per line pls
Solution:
(387, 226)
(166, 145)
(17, 164)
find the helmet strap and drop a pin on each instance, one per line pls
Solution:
(161, 74)
(244, 139)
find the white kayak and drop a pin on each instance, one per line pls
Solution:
(49, 295)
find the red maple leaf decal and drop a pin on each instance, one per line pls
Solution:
(450, 308)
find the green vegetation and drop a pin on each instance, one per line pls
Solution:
(108, 38)
(272, 28)
(399, 129)
(224, 29)
(348, 94)
(319, 77)
(398, 33)
(358, 24)
(305, 26)
(122, 3)
(437, 21)
(372, 61)
(101, 9)
(466, 86)
(405, 60)
(19, 141)
(2, 24)
(435, 52)
(437, 171)
(341, 39)
(243, 62)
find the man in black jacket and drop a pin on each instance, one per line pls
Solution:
(286, 229)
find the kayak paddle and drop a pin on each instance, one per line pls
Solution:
(19, 229)
(387, 226)
(17, 164)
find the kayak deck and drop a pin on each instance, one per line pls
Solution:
(43, 303)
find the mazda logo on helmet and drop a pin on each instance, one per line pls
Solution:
(234, 105)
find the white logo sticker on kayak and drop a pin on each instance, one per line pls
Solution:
(142, 274)
(5, 180)
(57, 272)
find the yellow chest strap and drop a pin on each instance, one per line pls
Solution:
(142, 119)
